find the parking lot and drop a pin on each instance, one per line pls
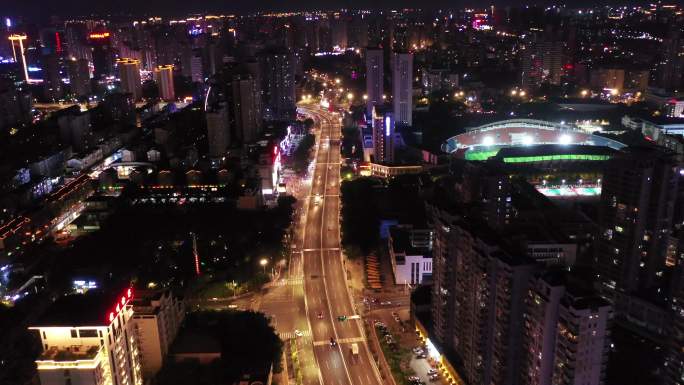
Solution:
(394, 327)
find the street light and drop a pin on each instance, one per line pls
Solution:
(350, 96)
(263, 262)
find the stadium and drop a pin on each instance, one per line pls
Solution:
(484, 142)
(558, 159)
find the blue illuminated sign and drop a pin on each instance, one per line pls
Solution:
(388, 122)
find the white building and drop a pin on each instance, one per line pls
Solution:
(582, 341)
(88, 339)
(157, 316)
(410, 254)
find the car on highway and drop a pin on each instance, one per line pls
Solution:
(317, 199)
(386, 303)
(355, 349)
(333, 342)
(434, 377)
(414, 378)
(431, 371)
(421, 355)
(320, 315)
(298, 333)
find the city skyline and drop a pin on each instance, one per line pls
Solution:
(402, 196)
(39, 11)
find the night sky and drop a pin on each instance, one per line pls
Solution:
(45, 8)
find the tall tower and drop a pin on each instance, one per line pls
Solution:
(635, 218)
(279, 70)
(79, 76)
(402, 87)
(52, 81)
(247, 108)
(103, 57)
(218, 130)
(163, 75)
(129, 73)
(374, 78)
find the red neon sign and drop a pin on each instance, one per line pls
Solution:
(120, 304)
(58, 42)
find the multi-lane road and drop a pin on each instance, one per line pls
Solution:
(325, 278)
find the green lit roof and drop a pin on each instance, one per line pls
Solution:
(480, 155)
(547, 158)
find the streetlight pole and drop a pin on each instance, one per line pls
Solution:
(263, 262)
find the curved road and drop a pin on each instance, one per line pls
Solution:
(325, 278)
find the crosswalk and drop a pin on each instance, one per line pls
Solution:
(289, 335)
(340, 341)
(289, 282)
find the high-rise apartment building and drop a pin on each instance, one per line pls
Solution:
(582, 341)
(163, 75)
(102, 54)
(157, 317)
(383, 135)
(339, 32)
(247, 108)
(542, 62)
(89, 339)
(566, 334)
(541, 320)
(671, 65)
(402, 88)
(218, 130)
(79, 77)
(129, 74)
(374, 78)
(635, 218)
(52, 81)
(478, 299)
(279, 85)
(674, 368)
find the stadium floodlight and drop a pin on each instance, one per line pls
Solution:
(527, 140)
(487, 141)
(565, 139)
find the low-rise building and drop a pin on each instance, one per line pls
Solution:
(410, 253)
(389, 171)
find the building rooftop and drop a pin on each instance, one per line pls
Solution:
(401, 242)
(89, 309)
(62, 354)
